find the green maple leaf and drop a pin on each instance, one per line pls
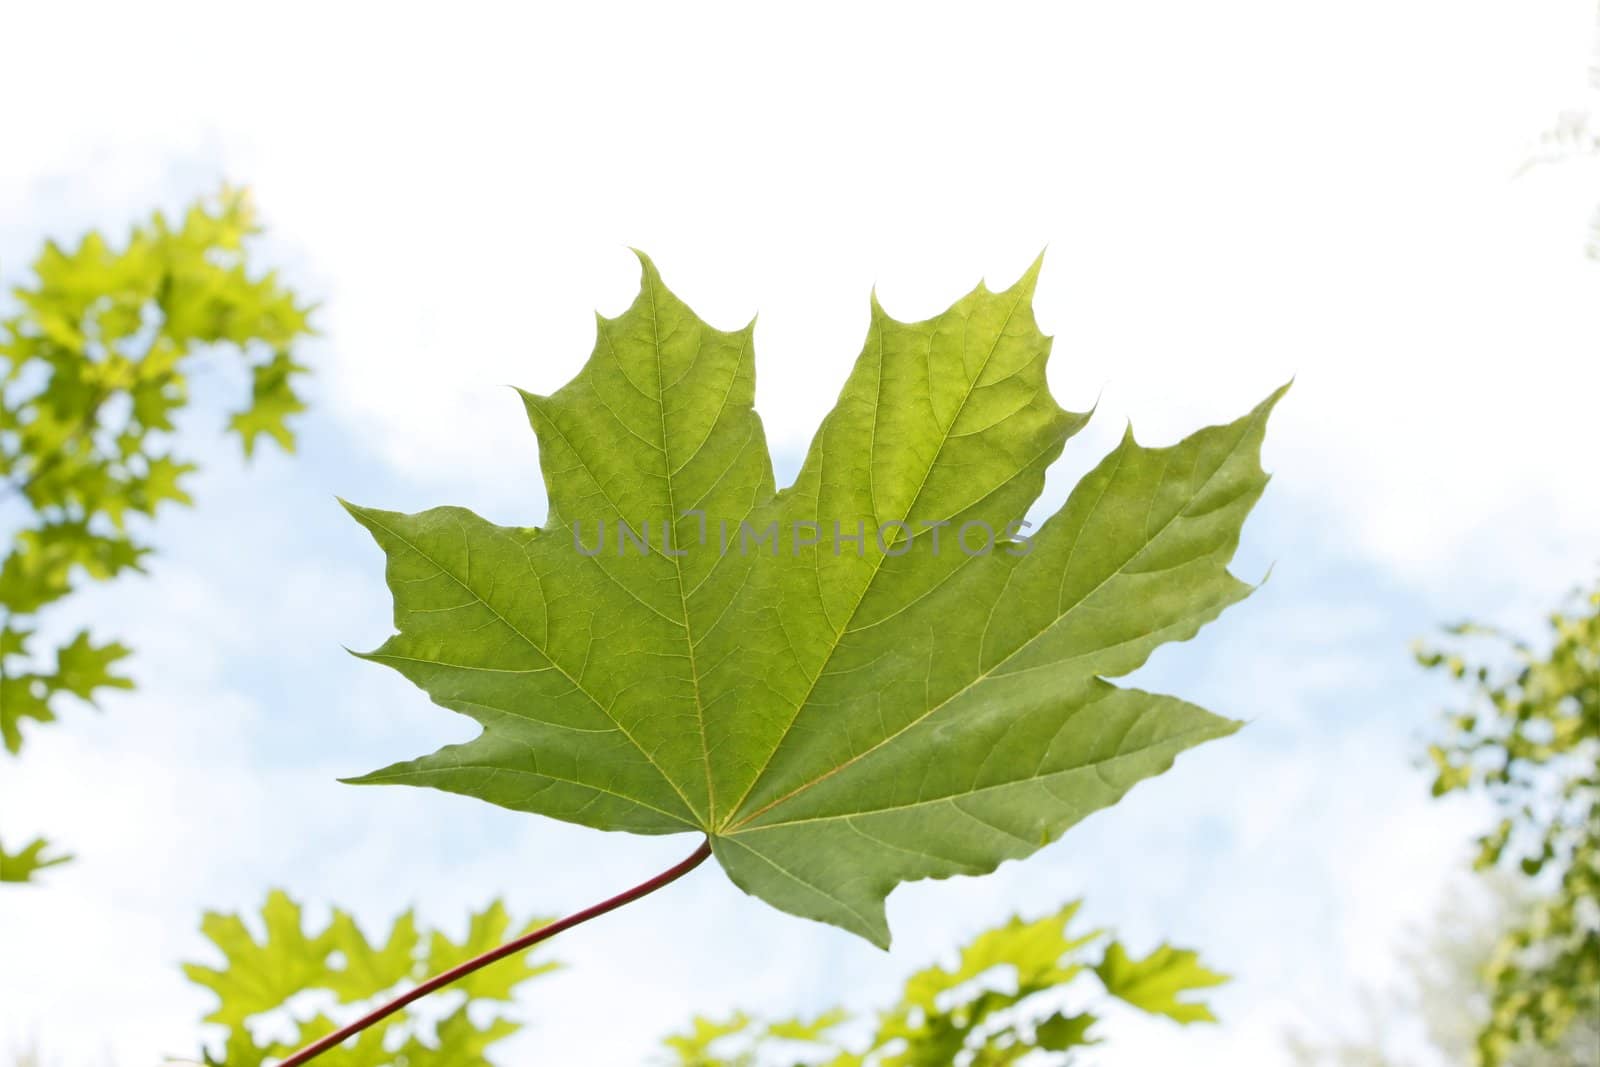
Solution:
(1037, 953)
(1035, 949)
(368, 969)
(985, 1011)
(843, 716)
(1154, 983)
(265, 974)
(260, 975)
(22, 865)
(82, 668)
(161, 482)
(272, 401)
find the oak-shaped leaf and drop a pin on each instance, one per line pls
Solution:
(872, 676)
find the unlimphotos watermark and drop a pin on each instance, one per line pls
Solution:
(893, 538)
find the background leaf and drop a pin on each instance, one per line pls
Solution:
(999, 1004)
(1156, 983)
(289, 969)
(93, 374)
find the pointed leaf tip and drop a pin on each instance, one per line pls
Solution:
(359, 512)
(1029, 280)
(647, 266)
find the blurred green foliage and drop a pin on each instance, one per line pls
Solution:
(999, 1003)
(315, 982)
(1440, 996)
(1529, 738)
(94, 362)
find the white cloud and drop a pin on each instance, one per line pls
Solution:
(1224, 209)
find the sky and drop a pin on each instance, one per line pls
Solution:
(1229, 195)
